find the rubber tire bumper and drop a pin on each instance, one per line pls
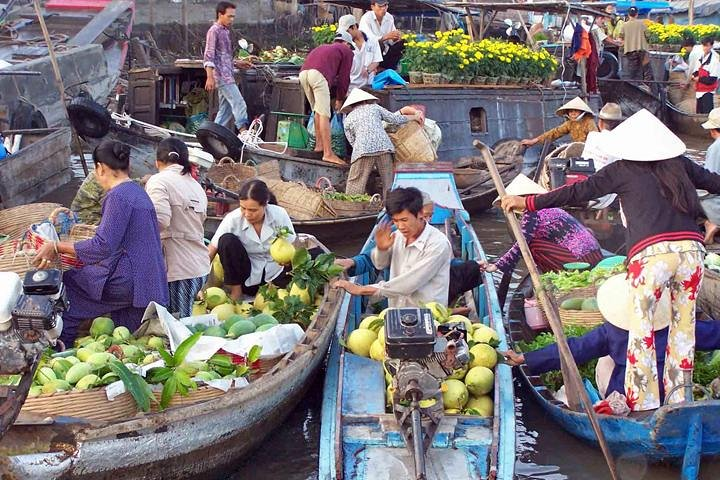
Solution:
(609, 66)
(219, 141)
(24, 116)
(89, 118)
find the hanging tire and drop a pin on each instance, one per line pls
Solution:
(24, 116)
(609, 66)
(89, 118)
(219, 141)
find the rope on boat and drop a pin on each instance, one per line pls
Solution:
(251, 139)
(127, 119)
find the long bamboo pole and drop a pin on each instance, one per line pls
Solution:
(58, 79)
(571, 375)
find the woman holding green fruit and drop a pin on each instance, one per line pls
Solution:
(244, 241)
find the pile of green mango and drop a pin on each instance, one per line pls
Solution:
(237, 325)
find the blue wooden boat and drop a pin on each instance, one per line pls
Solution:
(682, 433)
(358, 439)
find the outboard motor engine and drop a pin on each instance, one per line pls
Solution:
(419, 358)
(30, 322)
(566, 171)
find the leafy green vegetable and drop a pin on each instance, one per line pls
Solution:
(568, 280)
(135, 384)
(173, 378)
(362, 197)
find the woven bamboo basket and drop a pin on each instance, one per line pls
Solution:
(708, 299)
(77, 232)
(92, 404)
(16, 256)
(15, 221)
(412, 144)
(345, 208)
(576, 318)
(301, 202)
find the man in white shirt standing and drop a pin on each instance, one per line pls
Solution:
(380, 25)
(610, 116)
(418, 255)
(366, 56)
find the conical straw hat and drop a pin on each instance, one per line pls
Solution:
(356, 96)
(615, 304)
(522, 185)
(643, 138)
(576, 103)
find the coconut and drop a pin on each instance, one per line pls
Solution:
(479, 380)
(455, 394)
(215, 296)
(102, 326)
(483, 356)
(359, 341)
(483, 405)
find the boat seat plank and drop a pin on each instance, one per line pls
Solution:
(366, 396)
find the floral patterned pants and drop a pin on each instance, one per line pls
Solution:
(679, 267)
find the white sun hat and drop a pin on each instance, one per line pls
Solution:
(713, 120)
(643, 138)
(522, 185)
(356, 96)
(613, 299)
(576, 103)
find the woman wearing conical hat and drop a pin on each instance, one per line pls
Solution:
(580, 121)
(656, 186)
(371, 145)
(555, 237)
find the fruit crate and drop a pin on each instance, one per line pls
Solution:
(92, 404)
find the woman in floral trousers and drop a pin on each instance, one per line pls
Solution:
(656, 186)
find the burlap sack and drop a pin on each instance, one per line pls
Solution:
(299, 201)
(677, 90)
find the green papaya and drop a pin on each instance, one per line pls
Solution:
(572, 304)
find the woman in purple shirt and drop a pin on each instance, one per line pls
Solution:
(123, 268)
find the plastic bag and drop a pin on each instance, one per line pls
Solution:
(311, 132)
(387, 77)
(337, 135)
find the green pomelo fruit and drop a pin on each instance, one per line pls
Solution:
(483, 405)
(156, 343)
(82, 341)
(45, 375)
(590, 305)
(480, 380)
(377, 351)
(459, 373)
(455, 394)
(485, 334)
(262, 319)
(215, 296)
(83, 353)
(265, 327)
(483, 356)
(102, 326)
(359, 341)
(372, 323)
(199, 308)
(223, 312)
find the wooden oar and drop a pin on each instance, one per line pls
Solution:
(574, 387)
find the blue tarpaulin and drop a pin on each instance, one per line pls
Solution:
(643, 7)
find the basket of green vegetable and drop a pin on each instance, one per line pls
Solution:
(346, 205)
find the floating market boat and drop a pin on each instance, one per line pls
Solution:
(91, 41)
(681, 432)
(359, 439)
(201, 440)
(23, 179)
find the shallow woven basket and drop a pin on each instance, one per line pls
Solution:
(92, 404)
(16, 220)
(576, 318)
(345, 208)
(77, 232)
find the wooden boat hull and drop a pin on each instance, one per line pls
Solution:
(359, 440)
(689, 124)
(300, 169)
(679, 432)
(37, 169)
(202, 440)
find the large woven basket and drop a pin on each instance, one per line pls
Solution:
(345, 208)
(412, 144)
(77, 232)
(92, 404)
(15, 221)
(230, 175)
(200, 394)
(577, 318)
(708, 299)
(301, 202)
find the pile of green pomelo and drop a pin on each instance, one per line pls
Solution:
(468, 390)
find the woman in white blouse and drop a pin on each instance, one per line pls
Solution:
(243, 241)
